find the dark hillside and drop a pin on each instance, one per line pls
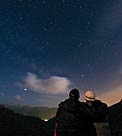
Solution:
(115, 118)
(41, 112)
(15, 124)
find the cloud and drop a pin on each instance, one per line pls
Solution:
(113, 96)
(19, 97)
(52, 85)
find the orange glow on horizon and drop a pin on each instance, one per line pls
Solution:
(112, 97)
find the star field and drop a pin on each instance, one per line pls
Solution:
(48, 47)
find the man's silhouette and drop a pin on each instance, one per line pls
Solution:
(73, 117)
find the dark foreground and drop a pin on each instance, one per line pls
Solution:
(16, 124)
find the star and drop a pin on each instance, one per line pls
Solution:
(82, 75)
(25, 89)
(45, 29)
(20, 18)
(43, 1)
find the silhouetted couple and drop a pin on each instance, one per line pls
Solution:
(75, 118)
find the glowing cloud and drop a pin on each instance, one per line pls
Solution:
(52, 85)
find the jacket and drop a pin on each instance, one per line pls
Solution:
(74, 118)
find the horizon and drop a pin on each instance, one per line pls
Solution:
(108, 102)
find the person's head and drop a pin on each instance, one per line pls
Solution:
(74, 93)
(89, 96)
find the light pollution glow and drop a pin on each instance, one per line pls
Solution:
(113, 96)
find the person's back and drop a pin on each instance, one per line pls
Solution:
(99, 109)
(101, 121)
(89, 119)
(69, 118)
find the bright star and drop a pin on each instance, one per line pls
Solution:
(25, 89)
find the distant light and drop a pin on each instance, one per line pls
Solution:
(45, 120)
(25, 89)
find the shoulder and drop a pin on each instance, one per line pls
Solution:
(62, 103)
(101, 107)
(84, 106)
(99, 103)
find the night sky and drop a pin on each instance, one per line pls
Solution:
(48, 47)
